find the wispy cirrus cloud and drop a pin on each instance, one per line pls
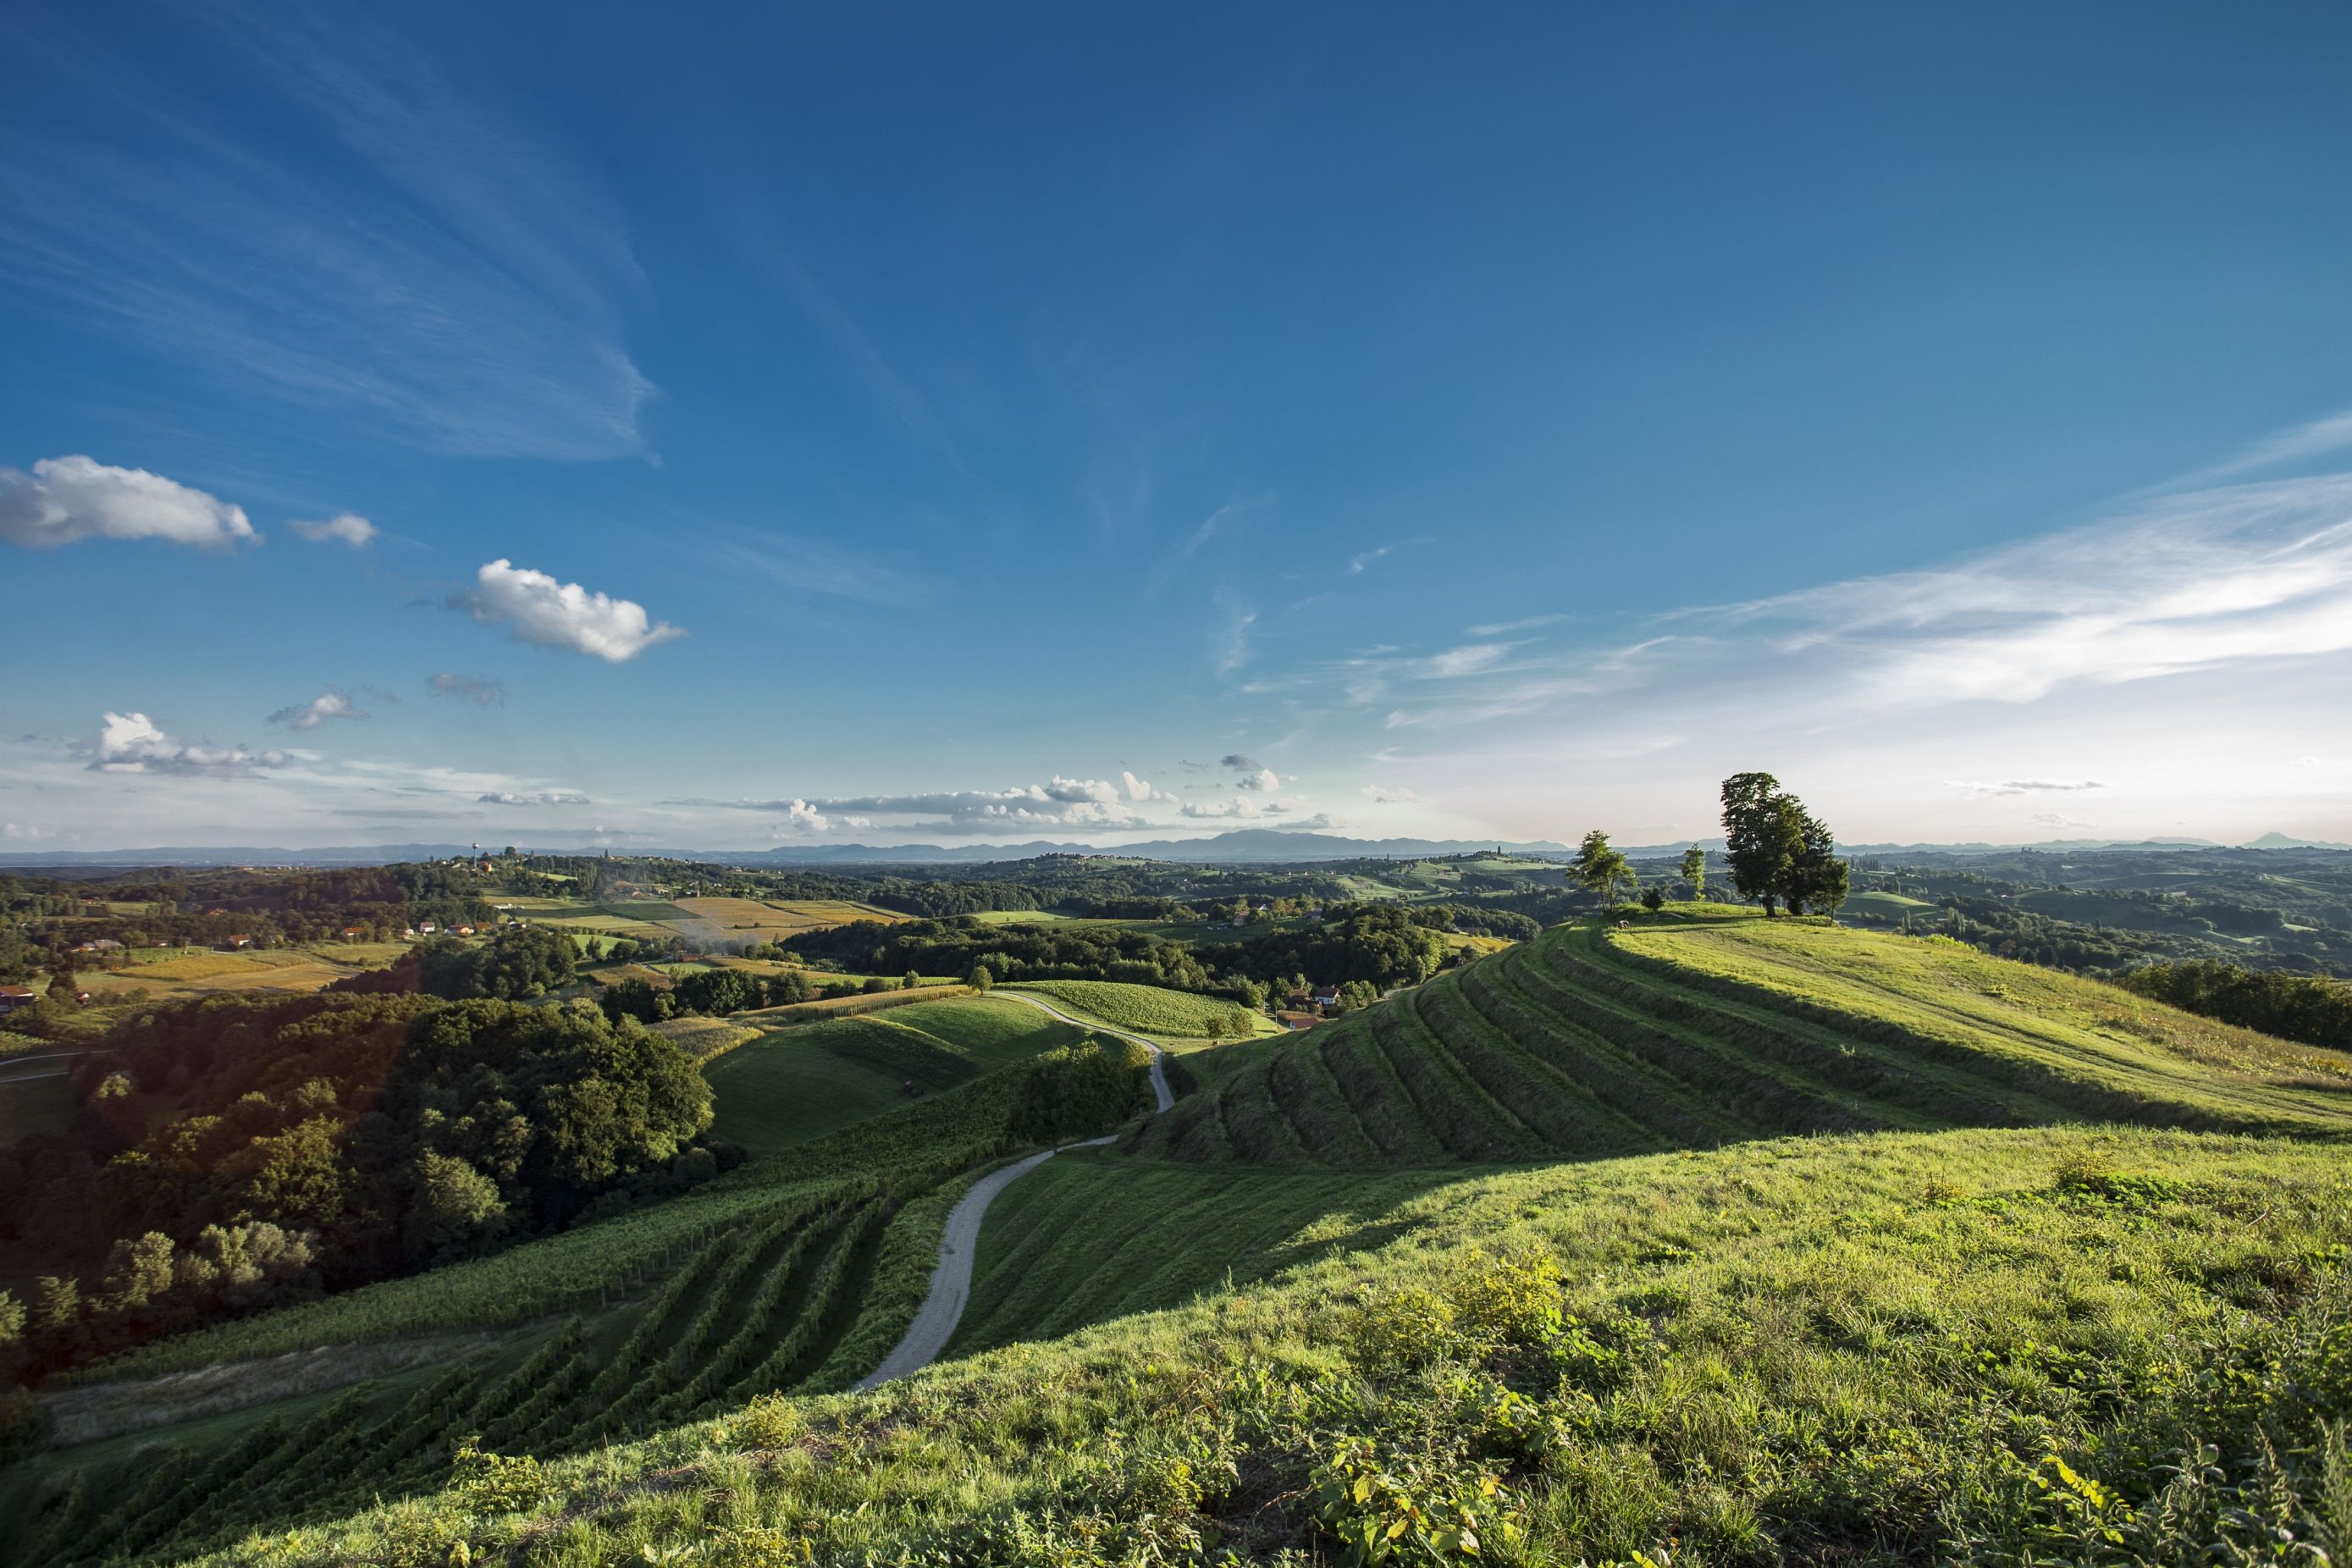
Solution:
(2237, 577)
(1364, 560)
(1502, 628)
(478, 689)
(2314, 439)
(1223, 520)
(1229, 640)
(2192, 582)
(469, 295)
(802, 561)
(2023, 786)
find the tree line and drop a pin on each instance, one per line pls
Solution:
(2305, 1007)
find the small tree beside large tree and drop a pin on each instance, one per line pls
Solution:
(1598, 868)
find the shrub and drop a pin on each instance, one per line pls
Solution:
(770, 1421)
(1072, 1091)
(1385, 1506)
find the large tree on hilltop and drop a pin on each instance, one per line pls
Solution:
(1779, 851)
(1758, 839)
(1817, 879)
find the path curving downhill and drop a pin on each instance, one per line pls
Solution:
(942, 1310)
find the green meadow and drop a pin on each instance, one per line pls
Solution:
(1707, 1240)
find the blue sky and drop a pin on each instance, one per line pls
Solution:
(913, 424)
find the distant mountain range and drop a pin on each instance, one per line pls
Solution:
(1248, 846)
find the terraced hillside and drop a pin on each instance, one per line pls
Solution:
(800, 1083)
(1541, 1245)
(1888, 1349)
(792, 1275)
(1713, 1026)
(755, 1309)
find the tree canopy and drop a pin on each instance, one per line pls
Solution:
(271, 1148)
(1779, 851)
(1599, 868)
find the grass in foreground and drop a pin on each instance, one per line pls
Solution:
(1990, 1344)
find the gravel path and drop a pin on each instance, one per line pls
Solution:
(942, 1309)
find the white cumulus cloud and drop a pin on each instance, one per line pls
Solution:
(133, 744)
(536, 608)
(63, 500)
(346, 527)
(1142, 789)
(1263, 779)
(550, 797)
(328, 704)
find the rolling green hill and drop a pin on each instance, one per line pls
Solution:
(1715, 1026)
(800, 1083)
(1891, 1348)
(1709, 1238)
(1151, 1010)
(796, 1272)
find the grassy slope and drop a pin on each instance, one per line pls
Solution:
(1087, 1238)
(1843, 1333)
(1695, 1030)
(796, 1272)
(1815, 1348)
(581, 1268)
(1146, 1009)
(801, 1083)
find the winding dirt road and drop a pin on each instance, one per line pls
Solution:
(942, 1309)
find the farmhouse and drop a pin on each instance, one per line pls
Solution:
(1290, 1020)
(237, 942)
(103, 944)
(352, 934)
(1326, 996)
(14, 996)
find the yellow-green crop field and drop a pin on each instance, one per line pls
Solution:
(201, 972)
